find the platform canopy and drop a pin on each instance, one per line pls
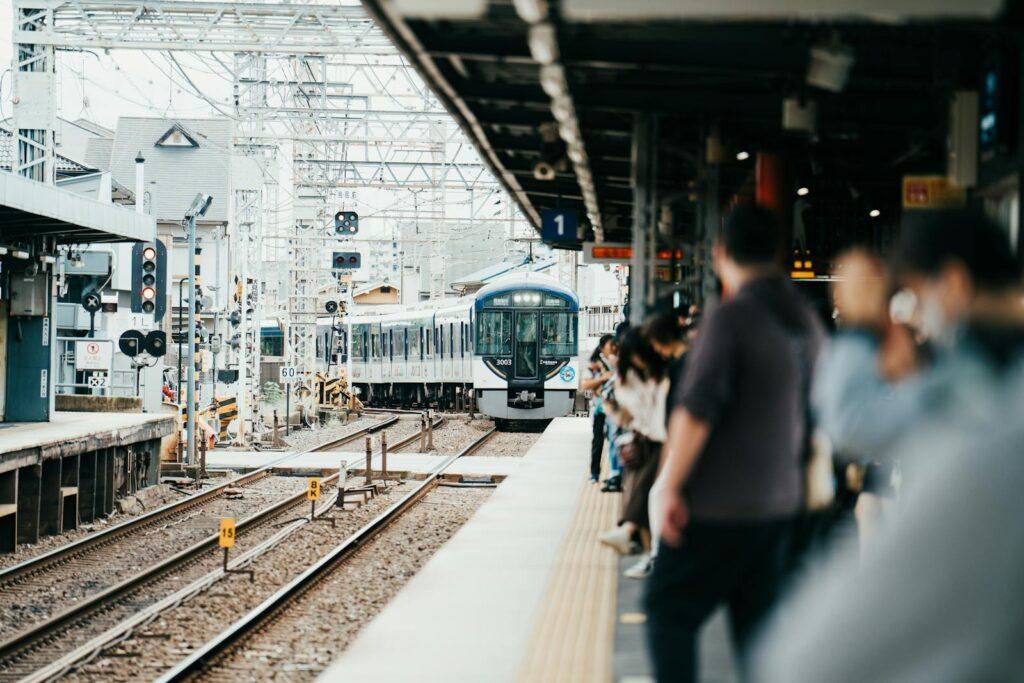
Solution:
(29, 209)
(532, 81)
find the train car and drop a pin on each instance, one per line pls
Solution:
(511, 348)
(525, 359)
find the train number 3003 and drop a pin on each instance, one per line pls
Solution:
(503, 361)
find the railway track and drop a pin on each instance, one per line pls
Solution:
(277, 604)
(30, 649)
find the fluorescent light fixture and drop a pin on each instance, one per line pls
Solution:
(552, 80)
(874, 213)
(19, 253)
(543, 44)
(531, 11)
(742, 155)
(803, 191)
(47, 258)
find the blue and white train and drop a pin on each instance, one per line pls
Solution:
(512, 346)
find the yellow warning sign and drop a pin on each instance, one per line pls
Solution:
(313, 492)
(227, 533)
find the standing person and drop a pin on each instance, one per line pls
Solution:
(736, 439)
(670, 336)
(639, 411)
(599, 374)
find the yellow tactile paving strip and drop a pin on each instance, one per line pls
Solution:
(575, 625)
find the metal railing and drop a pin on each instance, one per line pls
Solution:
(69, 380)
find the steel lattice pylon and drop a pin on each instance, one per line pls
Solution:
(319, 94)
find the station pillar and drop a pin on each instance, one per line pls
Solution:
(774, 178)
(28, 385)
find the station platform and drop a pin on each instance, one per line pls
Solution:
(524, 591)
(73, 433)
(56, 474)
(474, 466)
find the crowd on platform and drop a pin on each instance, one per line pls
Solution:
(844, 487)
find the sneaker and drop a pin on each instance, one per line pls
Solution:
(618, 539)
(612, 485)
(642, 568)
(593, 478)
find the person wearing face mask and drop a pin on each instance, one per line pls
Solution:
(874, 395)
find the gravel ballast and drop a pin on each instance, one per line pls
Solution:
(37, 597)
(316, 629)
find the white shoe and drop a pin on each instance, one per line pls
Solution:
(640, 570)
(618, 539)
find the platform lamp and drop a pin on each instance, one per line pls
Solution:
(199, 207)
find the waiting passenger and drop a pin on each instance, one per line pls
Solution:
(873, 394)
(599, 374)
(639, 411)
(736, 438)
(670, 336)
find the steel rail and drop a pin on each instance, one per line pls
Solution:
(37, 635)
(71, 550)
(13, 648)
(201, 658)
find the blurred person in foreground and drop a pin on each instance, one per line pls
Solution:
(938, 598)
(736, 440)
(876, 392)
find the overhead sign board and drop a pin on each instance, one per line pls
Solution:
(621, 252)
(93, 354)
(930, 192)
(559, 225)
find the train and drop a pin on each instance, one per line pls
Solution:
(510, 350)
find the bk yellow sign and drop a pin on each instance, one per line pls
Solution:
(313, 491)
(227, 533)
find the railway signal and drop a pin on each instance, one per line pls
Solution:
(346, 260)
(346, 223)
(149, 275)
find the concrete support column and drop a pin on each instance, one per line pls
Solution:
(8, 511)
(87, 481)
(49, 499)
(29, 485)
(645, 207)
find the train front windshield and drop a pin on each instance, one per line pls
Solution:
(525, 327)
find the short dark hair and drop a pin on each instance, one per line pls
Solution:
(605, 338)
(663, 328)
(930, 240)
(750, 235)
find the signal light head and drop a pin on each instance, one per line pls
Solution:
(148, 293)
(148, 279)
(149, 253)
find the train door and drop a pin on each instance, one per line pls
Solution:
(526, 346)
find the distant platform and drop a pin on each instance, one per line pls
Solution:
(471, 465)
(67, 434)
(522, 592)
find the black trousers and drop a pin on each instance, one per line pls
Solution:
(597, 445)
(740, 565)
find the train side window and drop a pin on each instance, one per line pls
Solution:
(405, 343)
(440, 338)
(451, 340)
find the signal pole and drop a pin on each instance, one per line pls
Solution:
(190, 393)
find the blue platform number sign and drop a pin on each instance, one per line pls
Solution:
(558, 225)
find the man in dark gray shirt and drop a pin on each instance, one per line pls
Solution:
(735, 448)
